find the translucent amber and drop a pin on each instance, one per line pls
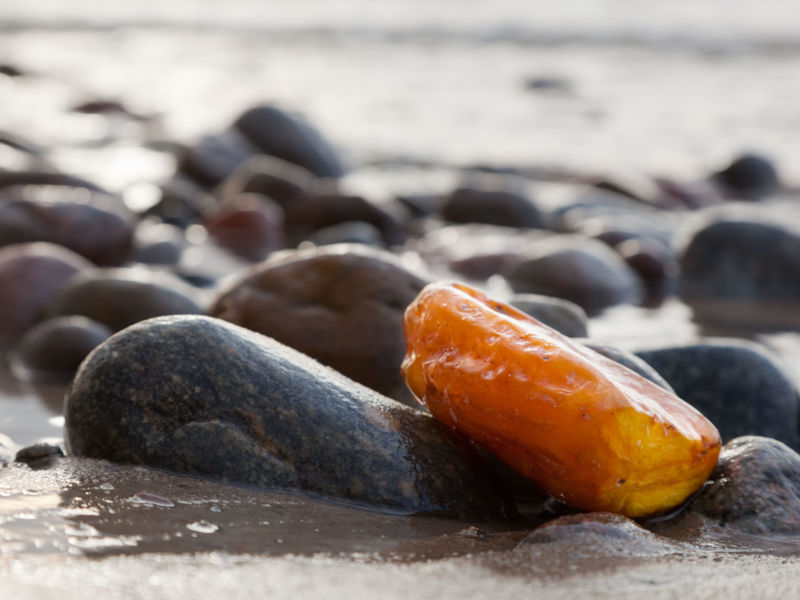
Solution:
(586, 429)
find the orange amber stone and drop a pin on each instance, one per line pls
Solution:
(586, 429)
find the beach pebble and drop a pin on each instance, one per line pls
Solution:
(277, 179)
(287, 136)
(653, 261)
(249, 225)
(121, 297)
(491, 206)
(735, 384)
(597, 534)
(39, 456)
(341, 304)
(562, 315)
(629, 360)
(258, 412)
(97, 234)
(212, 159)
(576, 268)
(53, 349)
(309, 213)
(157, 243)
(475, 251)
(748, 177)
(30, 277)
(755, 487)
(742, 266)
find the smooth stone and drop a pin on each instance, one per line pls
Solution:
(578, 269)
(597, 534)
(349, 232)
(99, 235)
(310, 213)
(742, 266)
(214, 158)
(476, 251)
(491, 206)
(749, 177)
(55, 348)
(562, 315)
(118, 298)
(289, 137)
(755, 487)
(269, 176)
(735, 384)
(259, 412)
(30, 277)
(157, 243)
(11, 179)
(39, 456)
(653, 261)
(249, 225)
(629, 360)
(342, 305)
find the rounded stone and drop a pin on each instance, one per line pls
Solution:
(269, 176)
(562, 315)
(740, 268)
(597, 534)
(101, 236)
(755, 487)
(55, 348)
(749, 176)
(309, 213)
(735, 384)
(291, 138)
(579, 269)
(629, 360)
(493, 207)
(349, 232)
(30, 277)
(118, 298)
(341, 304)
(260, 413)
(249, 225)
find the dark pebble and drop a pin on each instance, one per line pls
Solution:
(735, 384)
(755, 487)
(748, 177)
(39, 456)
(629, 360)
(289, 137)
(342, 305)
(562, 315)
(118, 298)
(738, 267)
(269, 176)
(493, 207)
(55, 348)
(249, 225)
(30, 277)
(258, 412)
(579, 269)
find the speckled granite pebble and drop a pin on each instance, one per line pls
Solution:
(200, 396)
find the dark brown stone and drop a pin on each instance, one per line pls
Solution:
(341, 304)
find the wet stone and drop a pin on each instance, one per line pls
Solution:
(121, 297)
(578, 269)
(289, 137)
(39, 456)
(30, 277)
(279, 180)
(629, 360)
(597, 534)
(55, 348)
(249, 225)
(743, 268)
(493, 207)
(260, 413)
(735, 384)
(755, 487)
(342, 305)
(562, 315)
(99, 235)
(749, 177)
